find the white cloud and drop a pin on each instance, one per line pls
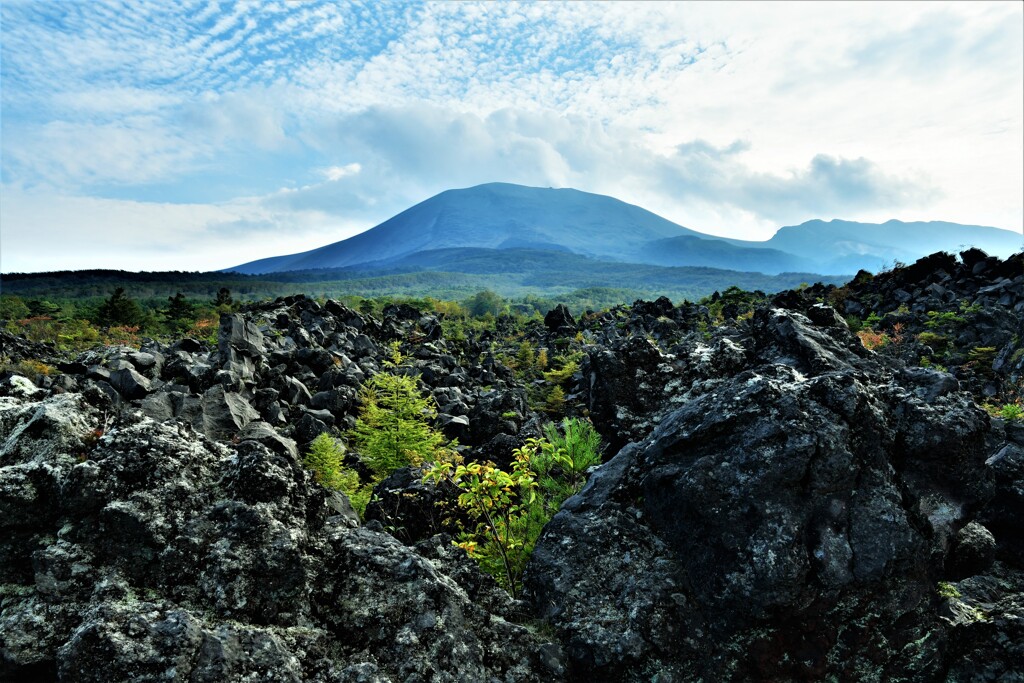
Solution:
(339, 172)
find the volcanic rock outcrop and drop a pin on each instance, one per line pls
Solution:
(778, 502)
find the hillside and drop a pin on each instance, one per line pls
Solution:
(441, 273)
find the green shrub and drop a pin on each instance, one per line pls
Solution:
(578, 448)
(326, 459)
(508, 521)
(555, 401)
(943, 319)
(510, 509)
(936, 341)
(1007, 411)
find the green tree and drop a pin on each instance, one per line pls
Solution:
(119, 309)
(41, 307)
(485, 302)
(223, 301)
(393, 426)
(180, 313)
(13, 308)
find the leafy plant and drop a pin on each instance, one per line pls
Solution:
(873, 340)
(326, 459)
(504, 505)
(393, 426)
(1007, 411)
(510, 509)
(947, 590)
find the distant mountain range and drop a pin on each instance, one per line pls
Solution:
(500, 216)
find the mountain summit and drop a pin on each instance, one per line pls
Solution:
(492, 216)
(507, 216)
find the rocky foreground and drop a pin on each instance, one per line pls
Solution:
(777, 501)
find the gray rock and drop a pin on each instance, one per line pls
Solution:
(263, 433)
(974, 551)
(164, 556)
(159, 406)
(129, 383)
(225, 413)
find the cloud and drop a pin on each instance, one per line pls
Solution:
(298, 120)
(418, 151)
(339, 172)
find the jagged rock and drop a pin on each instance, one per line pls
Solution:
(409, 508)
(263, 433)
(129, 383)
(238, 336)
(453, 426)
(559, 320)
(973, 551)
(488, 417)
(628, 387)
(161, 555)
(225, 413)
(1004, 514)
(159, 406)
(19, 387)
(763, 516)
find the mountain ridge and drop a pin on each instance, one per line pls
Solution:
(508, 216)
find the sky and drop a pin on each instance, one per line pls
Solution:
(198, 135)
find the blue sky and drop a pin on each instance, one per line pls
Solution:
(197, 134)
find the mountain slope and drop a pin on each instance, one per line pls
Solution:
(496, 215)
(839, 246)
(506, 216)
(690, 250)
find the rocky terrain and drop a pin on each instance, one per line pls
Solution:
(778, 502)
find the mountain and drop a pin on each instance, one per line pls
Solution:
(500, 216)
(838, 246)
(495, 216)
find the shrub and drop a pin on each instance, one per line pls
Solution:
(937, 341)
(873, 340)
(28, 367)
(938, 319)
(567, 367)
(326, 459)
(507, 520)
(574, 450)
(555, 401)
(1007, 411)
(510, 509)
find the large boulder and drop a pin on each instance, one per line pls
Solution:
(763, 523)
